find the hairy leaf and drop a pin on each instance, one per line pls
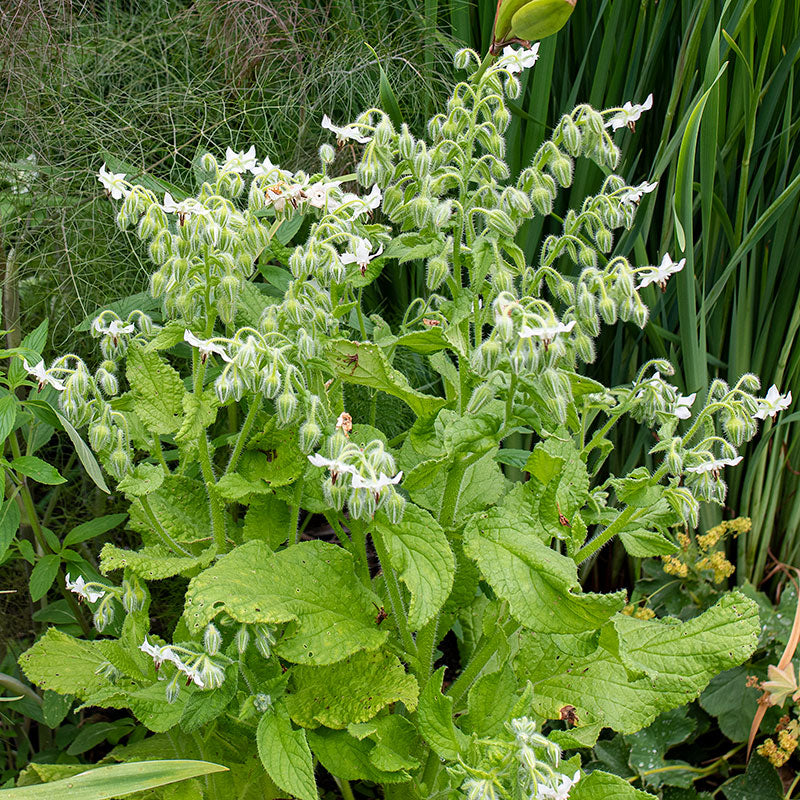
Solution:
(157, 391)
(285, 755)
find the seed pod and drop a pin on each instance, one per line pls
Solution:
(531, 20)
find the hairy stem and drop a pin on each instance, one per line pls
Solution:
(244, 434)
(162, 534)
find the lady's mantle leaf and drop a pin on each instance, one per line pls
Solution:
(540, 585)
(420, 552)
(353, 690)
(648, 668)
(605, 786)
(157, 391)
(364, 363)
(312, 584)
(285, 755)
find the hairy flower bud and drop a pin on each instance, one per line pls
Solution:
(133, 596)
(309, 435)
(499, 222)
(436, 272)
(405, 143)
(212, 639)
(561, 167)
(542, 201)
(393, 505)
(608, 310)
(103, 616)
(242, 639)
(286, 406)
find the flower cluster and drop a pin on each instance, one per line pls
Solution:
(699, 555)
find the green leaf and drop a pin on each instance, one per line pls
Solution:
(38, 470)
(605, 786)
(180, 505)
(412, 245)
(491, 702)
(117, 780)
(642, 668)
(268, 518)
(727, 699)
(94, 527)
(285, 754)
(202, 707)
(43, 575)
(421, 554)
(540, 585)
(312, 584)
(55, 707)
(649, 746)
(349, 758)
(143, 481)
(199, 413)
(152, 563)
(171, 334)
(9, 525)
(435, 717)
(157, 391)
(273, 457)
(64, 664)
(352, 690)
(641, 543)
(760, 782)
(8, 415)
(150, 707)
(365, 363)
(92, 734)
(83, 452)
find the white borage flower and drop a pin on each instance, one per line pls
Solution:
(375, 484)
(243, 161)
(191, 206)
(317, 194)
(714, 465)
(40, 373)
(562, 790)
(634, 194)
(547, 333)
(114, 330)
(114, 183)
(661, 273)
(362, 255)
(267, 169)
(335, 465)
(78, 587)
(206, 347)
(629, 113)
(344, 133)
(515, 61)
(359, 205)
(683, 406)
(773, 403)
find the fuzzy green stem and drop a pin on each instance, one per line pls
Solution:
(427, 639)
(159, 453)
(244, 434)
(485, 64)
(480, 658)
(591, 547)
(395, 597)
(344, 788)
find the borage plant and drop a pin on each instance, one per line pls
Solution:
(322, 648)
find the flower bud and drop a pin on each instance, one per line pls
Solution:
(584, 346)
(211, 674)
(542, 201)
(99, 436)
(587, 257)
(421, 208)
(392, 201)
(499, 222)
(462, 58)
(212, 639)
(160, 247)
(503, 280)
(326, 154)
(362, 504)
(211, 232)
(436, 272)
(486, 357)
(572, 136)
(103, 616)
(133, 596)
(270, 381)
(119, 463)
(501, 118)
(242, 639)
(405, 143)
(481, 395)
(286, 406)
(208, 163)
(608, 310)
(640, 313)
(561, 167)
(393, 505)
(441, 214)
(309, 436)
(674, 458)
(264, 640)
(173, 688)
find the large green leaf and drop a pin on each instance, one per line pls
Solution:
(435, 719)
(352, 690)
(364, 363)
(117, 780)
(157, 391)
(152, 563)
(312, 584)
(605, 786)
(285, 755)
(421, 554)
(642, 668)
(540, 585)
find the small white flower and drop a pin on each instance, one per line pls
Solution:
(375, 484)
(629, 113)
(561, 792)
(206, 347)
(269, 170)
(773, 403)
(661, 273)
(545, 332)
(160, 654)
(515, 61)
(334, 465)
(41, 374)
(344, 133)
(114, 183)
(635, 193)
(360, 205)
(239, 162)
(715, 465)
(362, 255)
(184, 208)
(317, 193)
(78, 587)
(683, 406)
